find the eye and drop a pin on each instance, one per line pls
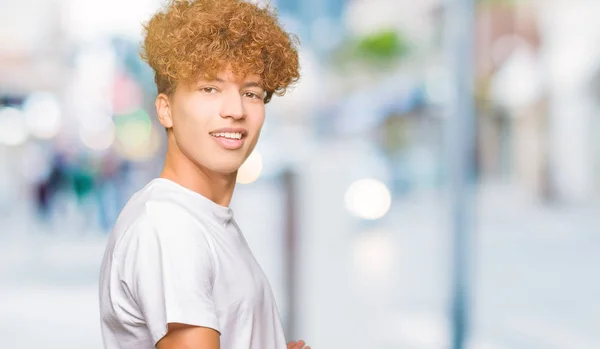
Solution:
(208, 90)
(253, 95)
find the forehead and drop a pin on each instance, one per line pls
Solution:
(232, 77)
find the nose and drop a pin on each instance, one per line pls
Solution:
(233, 106)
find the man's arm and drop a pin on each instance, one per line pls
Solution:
(182, 336)
(297, 345)
(168, 271)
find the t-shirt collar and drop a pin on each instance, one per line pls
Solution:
(223, 213)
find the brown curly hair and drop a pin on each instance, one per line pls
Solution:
(192, 39)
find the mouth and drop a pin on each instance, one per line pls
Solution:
(229, 139)
(228, 135)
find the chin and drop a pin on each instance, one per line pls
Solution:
(226, 168)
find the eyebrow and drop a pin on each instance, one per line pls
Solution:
(247, 84)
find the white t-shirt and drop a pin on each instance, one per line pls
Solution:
(176, 256)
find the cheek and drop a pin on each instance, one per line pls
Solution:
(194, 117)
(260, 123)
(257, 117)
(256, 124)
(191, 128)
(187, 128)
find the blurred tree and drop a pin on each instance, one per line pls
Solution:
(383, 46)
(380, 50)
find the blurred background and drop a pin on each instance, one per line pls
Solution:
(349, 201)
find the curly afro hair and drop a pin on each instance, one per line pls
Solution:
(193, 39)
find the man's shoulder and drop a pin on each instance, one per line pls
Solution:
(155, 210)
(157, 202)
(162, 224)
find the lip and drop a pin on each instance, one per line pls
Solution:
(230, 144)
(243, 131)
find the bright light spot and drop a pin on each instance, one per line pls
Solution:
(43, 115)
(251, 169)
(13, 130)
(140, 150)
(137, 139)
(374, 256)
(133, 130)
(519, 82)
(98, 139)
(368, 199)
(127, 95)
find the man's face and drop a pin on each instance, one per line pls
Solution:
(216, 123)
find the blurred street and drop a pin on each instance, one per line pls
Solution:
(346, 200)
(399, 272)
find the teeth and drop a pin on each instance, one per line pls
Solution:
(235, 135)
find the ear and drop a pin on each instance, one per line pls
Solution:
(163, 109)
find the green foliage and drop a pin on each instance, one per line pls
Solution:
(381, 46)
(378, 50)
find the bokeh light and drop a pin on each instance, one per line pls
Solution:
(368, 199)
(251, 169)
(137, 139)
(43, 115)
(127, 95)
(100, 138)
(13, 130)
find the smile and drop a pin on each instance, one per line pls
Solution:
(229, 140)
(228, 135)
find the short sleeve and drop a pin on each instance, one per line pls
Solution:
(169, 270)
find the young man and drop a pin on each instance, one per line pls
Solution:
(177, 272)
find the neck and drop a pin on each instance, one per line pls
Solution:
(182, 170)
